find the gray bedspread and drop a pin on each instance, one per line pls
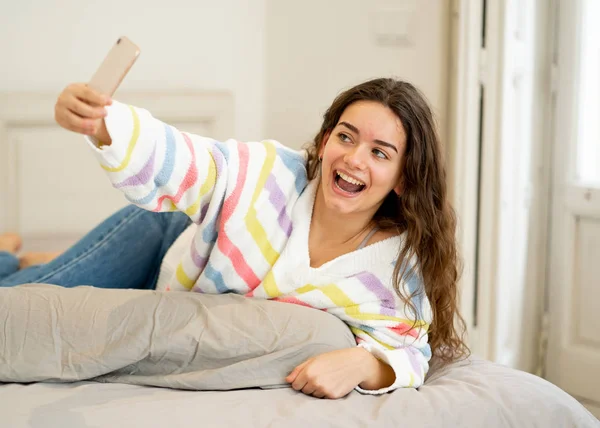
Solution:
(227, 342)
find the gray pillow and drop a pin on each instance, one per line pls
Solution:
(171, 339)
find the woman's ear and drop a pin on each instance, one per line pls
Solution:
(323, 142)
(399, 189)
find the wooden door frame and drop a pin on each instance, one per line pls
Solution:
(463, 148)
(469, 70)
(476, 160)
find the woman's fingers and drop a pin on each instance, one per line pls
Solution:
(71, 121)
(309, 389)
(294, 374)
(80, 109)
(89, 95)
(83, 109)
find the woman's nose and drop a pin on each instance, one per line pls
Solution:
(355, 158)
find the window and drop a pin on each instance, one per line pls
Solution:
(588, 150)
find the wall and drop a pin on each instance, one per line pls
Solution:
(317, 48)
(191, 44)
(283, 60)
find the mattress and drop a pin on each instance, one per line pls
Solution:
(88, 357)
(473, 393)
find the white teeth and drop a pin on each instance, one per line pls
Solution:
(350, 179)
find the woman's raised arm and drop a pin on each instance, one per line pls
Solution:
(156, 166)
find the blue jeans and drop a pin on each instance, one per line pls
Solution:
(124, 251)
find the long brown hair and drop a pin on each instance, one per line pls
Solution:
(422, 211)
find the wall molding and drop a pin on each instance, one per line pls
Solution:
(212, 109)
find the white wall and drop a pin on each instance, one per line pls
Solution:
(186, 44)
(283, 60)
(317, 48)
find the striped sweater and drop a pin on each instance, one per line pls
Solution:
(252, 205)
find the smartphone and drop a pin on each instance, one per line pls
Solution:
(115, 66)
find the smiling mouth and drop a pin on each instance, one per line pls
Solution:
(347, 184)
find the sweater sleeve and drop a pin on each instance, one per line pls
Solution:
(410, 365)
(400, 341)
(157, 167)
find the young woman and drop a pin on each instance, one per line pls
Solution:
(358, 225)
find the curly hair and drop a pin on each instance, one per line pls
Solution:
(422, 211)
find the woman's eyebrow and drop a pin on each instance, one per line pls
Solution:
(357, 132)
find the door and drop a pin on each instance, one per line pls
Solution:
(573, 357)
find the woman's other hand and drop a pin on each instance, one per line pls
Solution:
(335, 374)
(81, 109)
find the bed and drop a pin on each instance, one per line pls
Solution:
(87, 357)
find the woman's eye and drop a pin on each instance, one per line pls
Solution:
(380, 154)
(344, 138)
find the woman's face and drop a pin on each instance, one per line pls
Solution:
(362, 159)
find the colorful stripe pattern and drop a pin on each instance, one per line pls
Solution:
(244, 198)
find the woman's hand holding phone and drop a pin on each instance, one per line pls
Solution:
(81, 109)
